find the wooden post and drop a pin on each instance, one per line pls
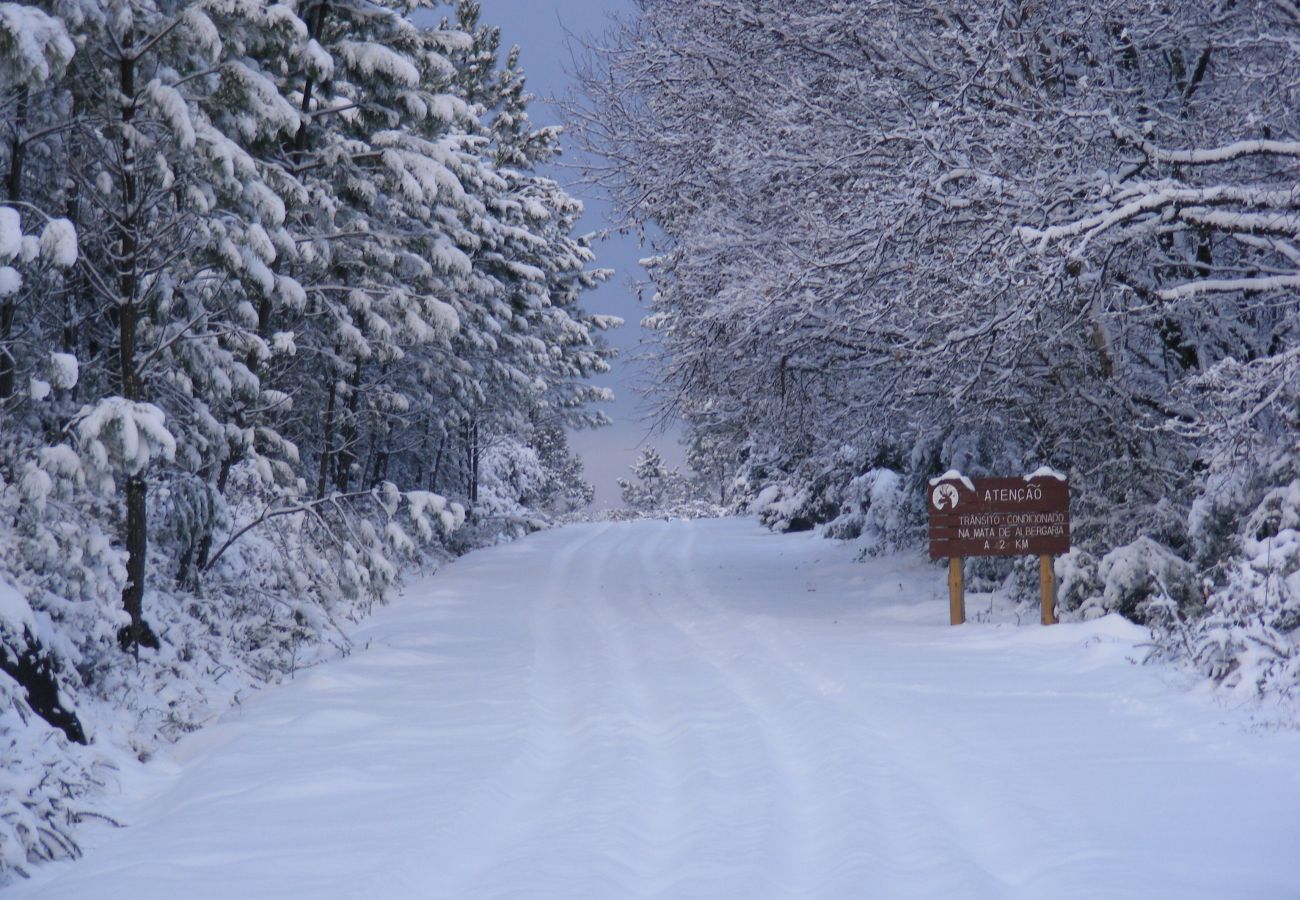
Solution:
(956, 591)
(1047, 588)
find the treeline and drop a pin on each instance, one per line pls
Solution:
(893, 238)
(280, 289)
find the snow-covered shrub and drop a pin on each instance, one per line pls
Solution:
(45, 785)
(1232, 491)
(1077, 583)
(880, 511)
(1139, 574)
(783, 507)
(1250, 638)
(512, 480)
(44, 772)
(512, 485)
(854, 507)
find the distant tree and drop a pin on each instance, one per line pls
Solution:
(565, 489)
(712, 459)
(653, 484)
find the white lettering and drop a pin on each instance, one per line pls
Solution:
(1013, 495)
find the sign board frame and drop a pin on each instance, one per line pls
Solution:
(1027, 516)
(999, 517)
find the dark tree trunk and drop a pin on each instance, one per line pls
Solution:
(346, 456)
(13, 191)
(137, 523)
(137, 546)
(472, 459)
(8, 364)
(317, 19)
(436, 471)
(33, 669)
(327, 438)
(381, 462)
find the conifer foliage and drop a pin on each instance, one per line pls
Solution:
(272, 278)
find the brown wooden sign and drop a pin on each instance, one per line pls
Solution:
(999, 516)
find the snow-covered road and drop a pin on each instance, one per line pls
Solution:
(706, 710)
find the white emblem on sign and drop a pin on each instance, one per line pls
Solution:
(944, 497)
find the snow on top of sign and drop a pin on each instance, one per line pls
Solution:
(1045, 472)
(953, 475)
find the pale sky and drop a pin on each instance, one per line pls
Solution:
(539, 28)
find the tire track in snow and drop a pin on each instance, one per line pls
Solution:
(669, 779)
(855, 812)
(597, 819)
(711, 750)
(936, 830)
(503, 812)
(787, 831)
(653, 801)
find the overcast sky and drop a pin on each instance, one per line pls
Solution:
(539, 28)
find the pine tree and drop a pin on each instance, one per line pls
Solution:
(653, 486)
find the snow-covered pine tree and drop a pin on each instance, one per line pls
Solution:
(530, 344)
(652, 486)
(252, 259)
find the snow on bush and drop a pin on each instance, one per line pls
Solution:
(58, 243)
(63, 370)
(1249, 641)
(1131, 580)
(879, 511)
(1141, 572)
(45, 785)
(781, 506)
(511, 479)
(11, 233)
(119, 434)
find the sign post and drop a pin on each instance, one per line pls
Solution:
(1047, 588)
(1027, 516)
(956, 591)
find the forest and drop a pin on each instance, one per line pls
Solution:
(891, 238)
(289, 308)
(285, 310)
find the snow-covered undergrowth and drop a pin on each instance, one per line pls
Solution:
(278, 598)
(680, 509)
(1247, 636)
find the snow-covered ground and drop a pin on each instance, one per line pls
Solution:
(704, 709)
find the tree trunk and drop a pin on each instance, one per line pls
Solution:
(471, 431)
(437, 463)
(300, 138)
(327, 438)
(137, 523)
(346, 455)
(137, 546)
(29, 664)
(13, 192)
